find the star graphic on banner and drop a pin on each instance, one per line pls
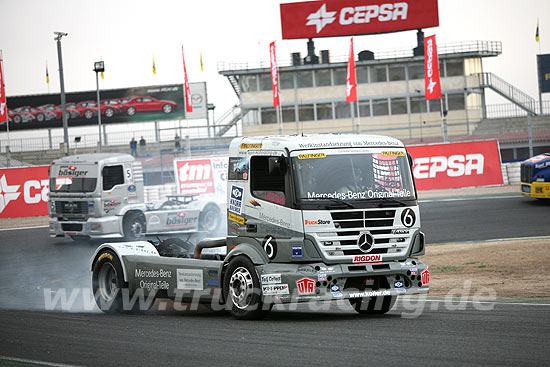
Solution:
(7, 193)
(321, 18)
(431, 86)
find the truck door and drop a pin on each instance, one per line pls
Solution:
(114, 190)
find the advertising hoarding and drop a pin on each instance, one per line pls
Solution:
(314, 19)
(445, 166)
(206, 177)
(24, 192)
(543, 66)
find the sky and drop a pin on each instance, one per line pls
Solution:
(128, 34)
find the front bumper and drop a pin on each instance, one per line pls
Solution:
(540, 190)
(106, 227)
(288, 283)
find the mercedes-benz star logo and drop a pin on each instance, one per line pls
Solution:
(321, 18)
(365, 242)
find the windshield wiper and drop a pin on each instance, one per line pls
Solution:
(335, 200)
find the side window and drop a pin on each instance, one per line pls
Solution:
(265, 185)
(112, 176)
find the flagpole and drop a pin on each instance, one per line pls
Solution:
(8, 155)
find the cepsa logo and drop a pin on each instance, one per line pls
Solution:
(195, 176)
(33, 183)
(453, 166)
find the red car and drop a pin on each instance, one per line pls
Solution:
(87, 109)
(39, 115)
(70, 112)
(143, 104)
(111, 106)
(18, 117)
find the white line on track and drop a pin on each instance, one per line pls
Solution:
(43, 363)
(470, 198)
(455, 301)
(18, 228)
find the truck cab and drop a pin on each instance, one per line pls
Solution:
(535, 177)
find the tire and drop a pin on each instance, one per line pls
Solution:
(88, 114)
(109, 112)
(108, 282)
(40, 117)
(373, 305)
(167, 108)
(134, 226)
(131, 111)
(17, 119)
(209, 219)
(241, 289)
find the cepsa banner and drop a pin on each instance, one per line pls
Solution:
(206, 177)
(328, 18)
(24, 192)
(445, 166)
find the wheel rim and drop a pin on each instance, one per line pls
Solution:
(131, 111)
(210, 220)
(136, 229)
(107, 279)
(167, 108)
(88, 114)
(109, 113)
(241, 287)
(40, 117)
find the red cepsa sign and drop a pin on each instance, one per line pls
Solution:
(445, 166)
(314, 19)
(24, 192)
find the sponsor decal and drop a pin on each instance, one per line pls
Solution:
(270, 247)
(369, 294)
(335, 291)
(453, 166)
(71, 171)
(132, 188)
(425, 277)
(327, 269)
(213, 282)
(194, 176)
(254, 203)
(414, 271)
(367, 258)
(321, 277)
(251, 146)
(297, 251)
(190, 279)
(305, 286)
(393, 154)
(154, 285)
(180, 220)
(271, 278)
(110, 205)
(399, 286)
(212, 273)
(312, 155)
(369, 194)
(277, 221)
(316, 222)
(236, 199)
(90, 205)
(236, 227)
(431, 69)
(307, 269)
(235, 218)
(275, 289)
(33, 183)
(105, 255)
(400, 231)
(152, 273)
(542, 165)
(275, 198)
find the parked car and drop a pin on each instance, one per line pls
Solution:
(39, 115)
(70, 112)
(20, 116)
(144, 104)
(88, 109)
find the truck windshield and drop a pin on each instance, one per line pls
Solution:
(72, 178)
(353, 176)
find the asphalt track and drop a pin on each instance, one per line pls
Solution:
(34, 267)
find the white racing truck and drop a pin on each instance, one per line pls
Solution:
(310, 218)
(97, 196)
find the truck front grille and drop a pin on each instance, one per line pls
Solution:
(71, 208)
(527, 173)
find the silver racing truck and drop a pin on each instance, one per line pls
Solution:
(310, 218)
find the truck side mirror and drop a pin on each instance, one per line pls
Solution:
(277, 165)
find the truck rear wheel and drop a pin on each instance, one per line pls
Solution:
(209, 219)
(241, 288)
(107, 283)
(373, 305)
(134, 226)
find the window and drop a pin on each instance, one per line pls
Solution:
(416, 71)
(269, 116)
(455, 102)
(265, 82)
(289, 114)
(286, 80)
(362, 74)
(322, 78)
(454, 68)
(339, 76)
(343, 110)
(364, 109)
(305, 79)
(378, 74)
(305, 112)
(397, 72)
(418, 105)
(435, 105)
(248, 83)
(398, 106)
(380, 107)
(112, 176)
(324, 111)
(265, 185)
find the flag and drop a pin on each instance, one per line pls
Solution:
(188, 103)
(202, 68)
(3, 107)
(154, 68)
(537, 33)
(47, 75)
(102, 76)
(432, 81)
(351, 83)
(274, 74)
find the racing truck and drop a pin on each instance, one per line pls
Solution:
(101, 195)
(535, 177)
(311, 218)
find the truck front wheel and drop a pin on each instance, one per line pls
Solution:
(107, 283)
(373, 305)
(209, 219)
(134, 226)
(241, 288)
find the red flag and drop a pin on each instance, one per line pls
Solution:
(351, 83)
(3, 107)
(188, 103)
(431, 69)
(274, 74)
